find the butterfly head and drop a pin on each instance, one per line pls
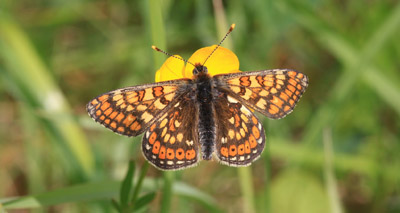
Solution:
(198, 68)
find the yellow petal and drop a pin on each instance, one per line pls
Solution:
(221, 61)
(171, 69)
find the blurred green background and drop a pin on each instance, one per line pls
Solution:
(339, 151)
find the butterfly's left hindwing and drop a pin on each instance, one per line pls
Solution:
(171, 143)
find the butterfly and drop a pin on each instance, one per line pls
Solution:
(189, 119)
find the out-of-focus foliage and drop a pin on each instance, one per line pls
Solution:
(338, 151)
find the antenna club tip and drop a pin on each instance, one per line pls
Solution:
(154, 47)
(232, 27)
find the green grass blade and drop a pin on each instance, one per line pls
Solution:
(331, 183)
(126, 186)
(102, 190)
(139, 183)
(84, 192)
(40, 92)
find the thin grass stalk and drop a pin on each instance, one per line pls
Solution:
(244, 173)
(158, 38)
(329, 173)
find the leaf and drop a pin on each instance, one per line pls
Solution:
(126, 185)
(89, 191)
(144, 200)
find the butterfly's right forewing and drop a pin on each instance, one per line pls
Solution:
(273, 93)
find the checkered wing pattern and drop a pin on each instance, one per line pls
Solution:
(273, 93)
(130, 111)
(171, 143)
(240, 135)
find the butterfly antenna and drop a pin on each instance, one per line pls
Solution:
(162, 51)
(223, 39)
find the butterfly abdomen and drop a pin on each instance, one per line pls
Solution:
(206, 122)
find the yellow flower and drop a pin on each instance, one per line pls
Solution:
(221, 61)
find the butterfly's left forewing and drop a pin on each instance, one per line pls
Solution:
(130, 111)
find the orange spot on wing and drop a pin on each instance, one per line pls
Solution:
(152, 138)
(107, 121)
(180, 154)
(138, 127)
(102, 98)
(241, 149)
(108, 111)
(286, 108)
(98, 113)
(292, 74)
(254, 119)
(288, 92)
(300, 75)
(291, 88)
(121, 129)
(171, 125)
(156, 147)
(153, 127)
(244, 81)
(119, 117)
(129, 119)
(260, 80)
(237, 120)
(158, 91)
(162, 153)
(292, 82)
(247, 148)
(190, 154)
(256, 132)
(170, 154)
(135, 126)
(284, 96)
(224, 151)
(232, 150)
(113, 125)
(278, 102)
(253, 142)
(112, 116)
(273, 109)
